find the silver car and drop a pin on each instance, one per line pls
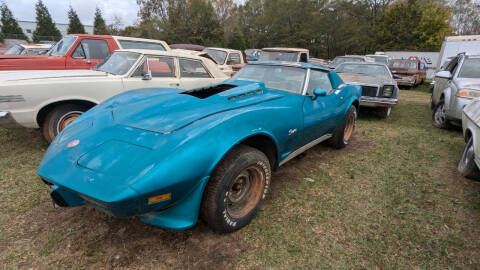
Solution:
(454, 88)
(468, 165)
(379, 88)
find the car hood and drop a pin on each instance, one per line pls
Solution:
(168, 112)
(469, 83)
(21, 75)
(365, 79)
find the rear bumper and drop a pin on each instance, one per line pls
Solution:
(406, 81)
(377, 101)
(7, 121)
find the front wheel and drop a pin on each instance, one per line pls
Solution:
(236, 189)
(439, 116)
(467, 166)
(59, 118)
(343, 134)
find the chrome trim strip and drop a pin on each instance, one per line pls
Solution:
(12, 98)
(305, 84)
(305, 148)
(378, 100)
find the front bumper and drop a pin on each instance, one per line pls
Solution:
(377, 101)
(7, 121)
(406, 81)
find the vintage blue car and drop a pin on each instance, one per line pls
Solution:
(168, 155)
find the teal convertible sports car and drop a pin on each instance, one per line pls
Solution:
(168, 155)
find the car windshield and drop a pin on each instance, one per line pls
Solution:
(339, 60)
(15, 50)
(371, 70)
(218, 55)
(250, 53)
(62, 47)
(409, 64)
(278, 56)
(470, 69)
(379, 59)
(119, 63)
(283, 78)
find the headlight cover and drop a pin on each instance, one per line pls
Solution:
(387, 90)
(468, 93)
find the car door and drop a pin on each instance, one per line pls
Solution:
(193, 74)
(87, 54)
(442, 83)
(163, 73)
(322, 114)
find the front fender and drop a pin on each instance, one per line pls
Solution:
(447, 94)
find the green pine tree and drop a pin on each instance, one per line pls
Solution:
(99, 25)
(74, 24)
(46, 28)
(10, 27)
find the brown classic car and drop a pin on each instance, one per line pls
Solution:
(408, 72)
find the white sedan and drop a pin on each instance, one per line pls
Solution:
(470, 161)
(51, 99)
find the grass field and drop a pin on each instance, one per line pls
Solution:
(391, 200)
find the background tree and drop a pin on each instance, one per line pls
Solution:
(99, 25)
(74, 24)
(9, 25)
(46, 29)
(466, 17)
(115, 28)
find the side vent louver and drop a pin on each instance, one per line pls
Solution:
(251, 93)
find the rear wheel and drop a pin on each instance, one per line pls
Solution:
(342, 135)
(59, 118)
(439, 116)
(236, 189)
(467, 166)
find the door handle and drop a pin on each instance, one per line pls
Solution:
(174, 84)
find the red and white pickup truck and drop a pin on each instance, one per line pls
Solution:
(79, 51)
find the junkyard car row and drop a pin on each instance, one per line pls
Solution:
(121, 128)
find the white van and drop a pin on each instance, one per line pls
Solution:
(457, 44)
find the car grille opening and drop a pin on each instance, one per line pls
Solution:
(369, 91)
(206, 92)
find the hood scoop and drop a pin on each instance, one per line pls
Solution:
(206, 92)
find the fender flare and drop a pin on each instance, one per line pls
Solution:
(48, 102)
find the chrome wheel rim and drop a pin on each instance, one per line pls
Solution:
(440, 115)
(469, 154)
(245, 192)
(349, 127)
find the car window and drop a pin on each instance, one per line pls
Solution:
(470, 69)
(129, 44)
(160, 67)
(319, 79)
(452, 65)
(233, 59)
(91, 49)
(289, 79)
(192, 69)
(119, 62)
(218, 55)
(303, 58)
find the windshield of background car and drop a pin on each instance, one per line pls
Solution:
(119, 63)
(278, 56)
(62, 47)
(339, 60)
(371, 70)
(380, 59)
(290, 79)
(470, 69)
(218, 55)
(15, 50)
(250, 53)
(129, 44)
(404, 64)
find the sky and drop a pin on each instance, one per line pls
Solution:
(24, 10)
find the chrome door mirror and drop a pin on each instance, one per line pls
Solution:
(445, 74)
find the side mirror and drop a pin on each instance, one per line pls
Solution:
(147, 76)
(318, 92)
(445, 74)
(395, 76)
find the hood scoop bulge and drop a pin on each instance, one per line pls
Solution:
(206, 92)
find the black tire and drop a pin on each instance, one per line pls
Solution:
(343, 134)
(385, 112)
(229, 205)
(439, 117)
(58, 118)
(467, 166)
